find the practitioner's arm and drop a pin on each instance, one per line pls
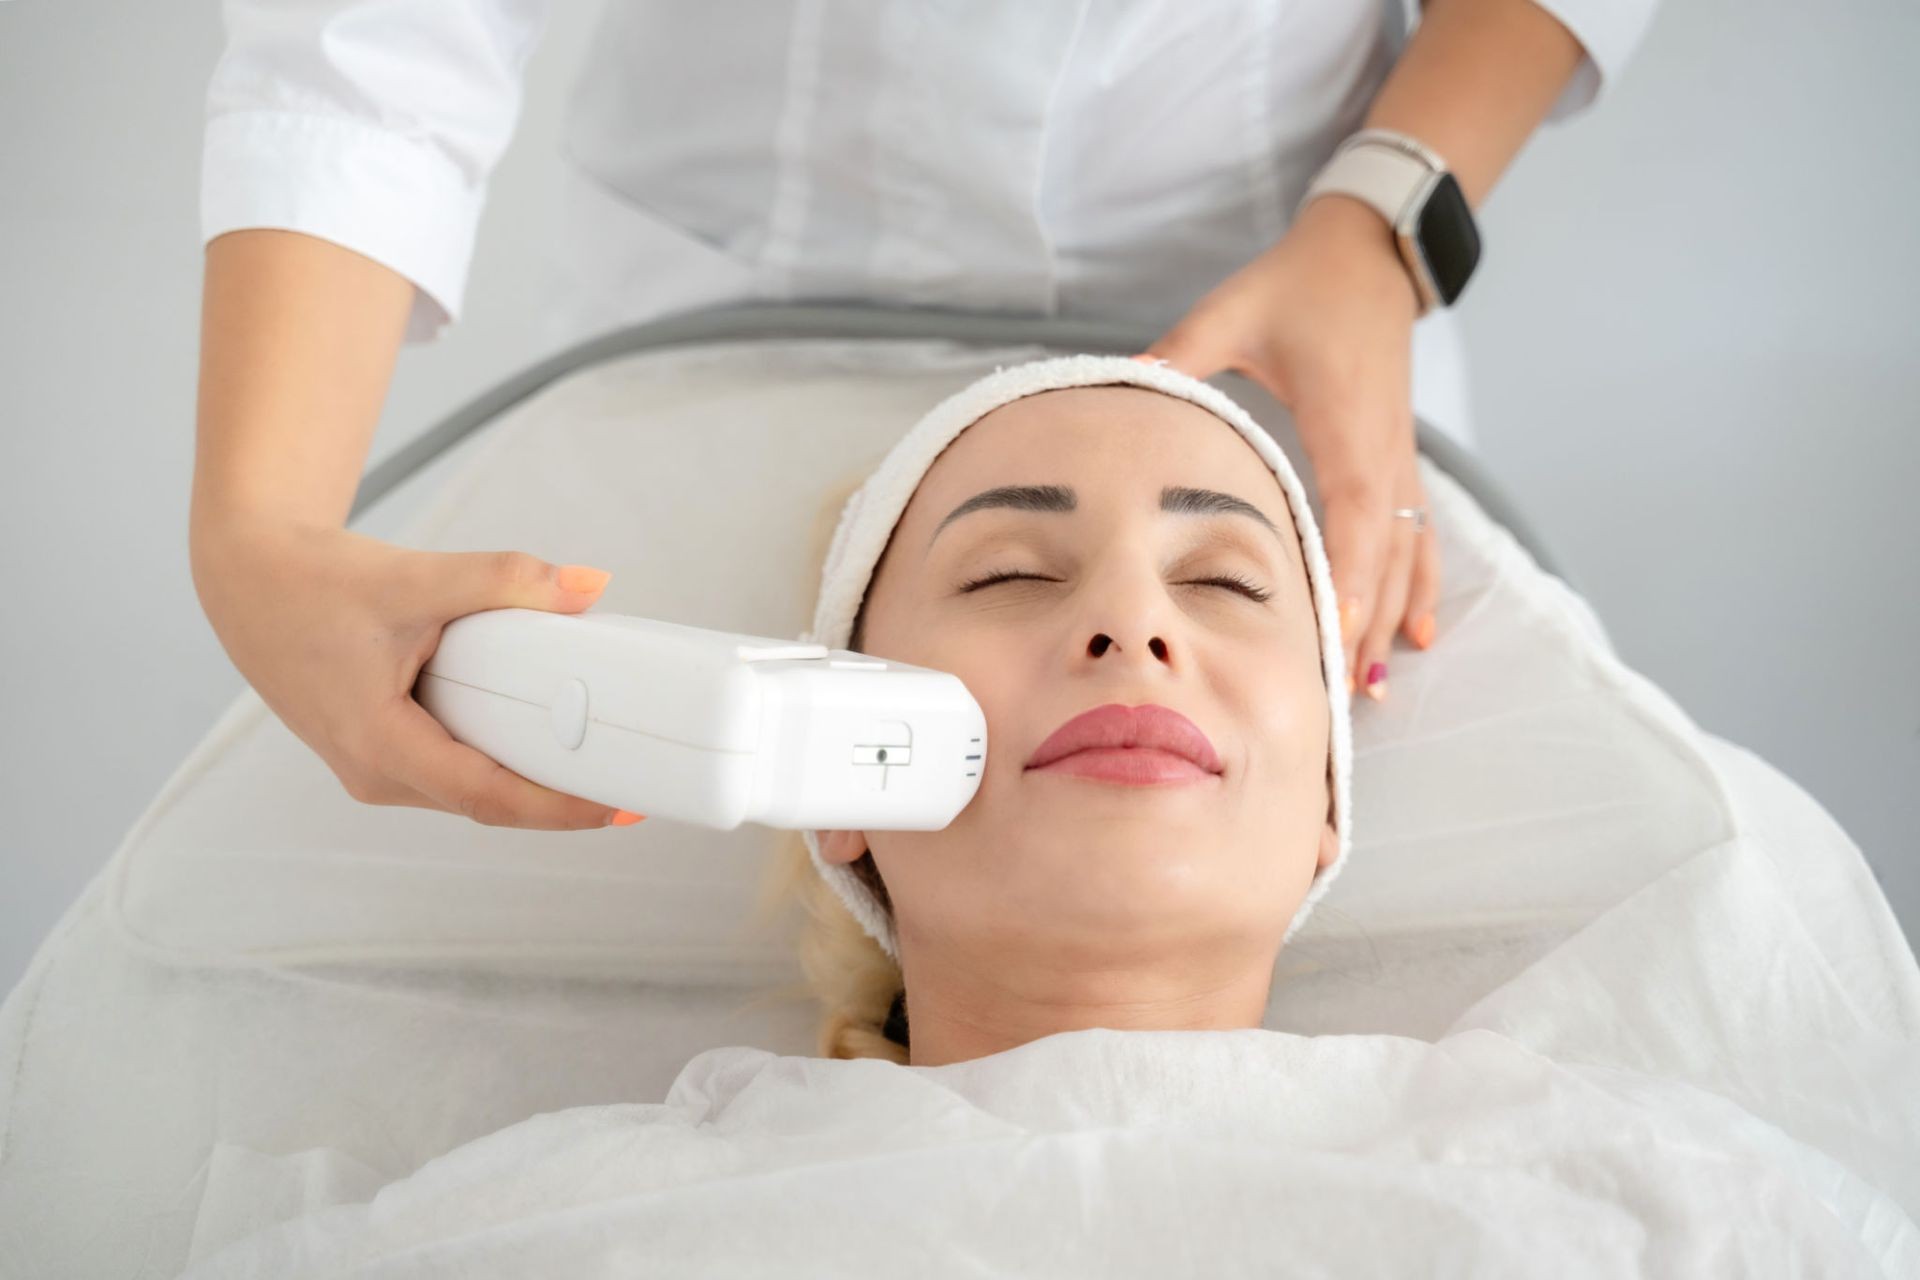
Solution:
(298, 342)
(1474, 82)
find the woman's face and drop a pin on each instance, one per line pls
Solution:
(1128, 602)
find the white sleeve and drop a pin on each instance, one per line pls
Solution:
(1609, 31)
(374, 124)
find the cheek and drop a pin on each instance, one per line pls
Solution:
(1281, 707)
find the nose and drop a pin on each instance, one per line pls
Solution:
(1128, 615)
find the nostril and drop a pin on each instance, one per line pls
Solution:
(1159, 648)
(1099, 645)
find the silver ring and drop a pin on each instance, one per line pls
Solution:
(1416, 514)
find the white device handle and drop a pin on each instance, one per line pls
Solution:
(708, 727)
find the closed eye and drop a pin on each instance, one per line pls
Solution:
(1232, 582)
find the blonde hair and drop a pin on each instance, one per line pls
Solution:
(852, 979)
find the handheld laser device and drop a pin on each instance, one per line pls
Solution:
(708, 727)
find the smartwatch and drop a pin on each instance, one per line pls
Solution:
(1409, 185)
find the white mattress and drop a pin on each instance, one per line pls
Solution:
(273, 999)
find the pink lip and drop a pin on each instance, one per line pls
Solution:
(1137, 745)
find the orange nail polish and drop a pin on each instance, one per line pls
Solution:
(621, 818)
(1349, 614)
(1423, 630)
(581, 578)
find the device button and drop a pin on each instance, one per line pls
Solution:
(882, 755)
(884, 742)
(570, 715)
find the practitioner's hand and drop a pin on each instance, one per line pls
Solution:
(331, 627)
(1324, 321)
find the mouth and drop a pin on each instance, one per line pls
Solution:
(1135, 745)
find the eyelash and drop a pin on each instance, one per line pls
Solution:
(1231, 581)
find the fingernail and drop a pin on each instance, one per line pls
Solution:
(1377, 681)
(1351, 684)
(1349, 614)
(579, 577)
(621, 818)
(1144, 358)
(1423, 630)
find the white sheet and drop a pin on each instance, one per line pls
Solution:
(273, 1000)
(1685, 1088)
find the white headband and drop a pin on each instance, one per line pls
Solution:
(868, 520)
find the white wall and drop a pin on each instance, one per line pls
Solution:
(1693, 342)
(109, 672)
(1697, 353)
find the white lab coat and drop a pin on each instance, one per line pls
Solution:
(1103, 158)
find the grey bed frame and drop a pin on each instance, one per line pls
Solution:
(758, 322)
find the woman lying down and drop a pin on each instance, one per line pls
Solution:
(1043, 1049)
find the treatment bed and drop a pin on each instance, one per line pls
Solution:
(272, 999)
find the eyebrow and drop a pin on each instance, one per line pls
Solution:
(1177, 499)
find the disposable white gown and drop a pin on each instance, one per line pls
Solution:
(1689, 1087)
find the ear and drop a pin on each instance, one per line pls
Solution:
(841, 847)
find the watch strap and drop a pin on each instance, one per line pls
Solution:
(1386, 177)
(1402, 141)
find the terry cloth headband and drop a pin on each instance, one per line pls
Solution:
(867, 521)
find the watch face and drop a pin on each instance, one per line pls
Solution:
(1448, 239)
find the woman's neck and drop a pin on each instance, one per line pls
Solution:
(961, 1012)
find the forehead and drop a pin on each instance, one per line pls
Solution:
(1115, 445)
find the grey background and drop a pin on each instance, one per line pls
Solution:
(1693, 348)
